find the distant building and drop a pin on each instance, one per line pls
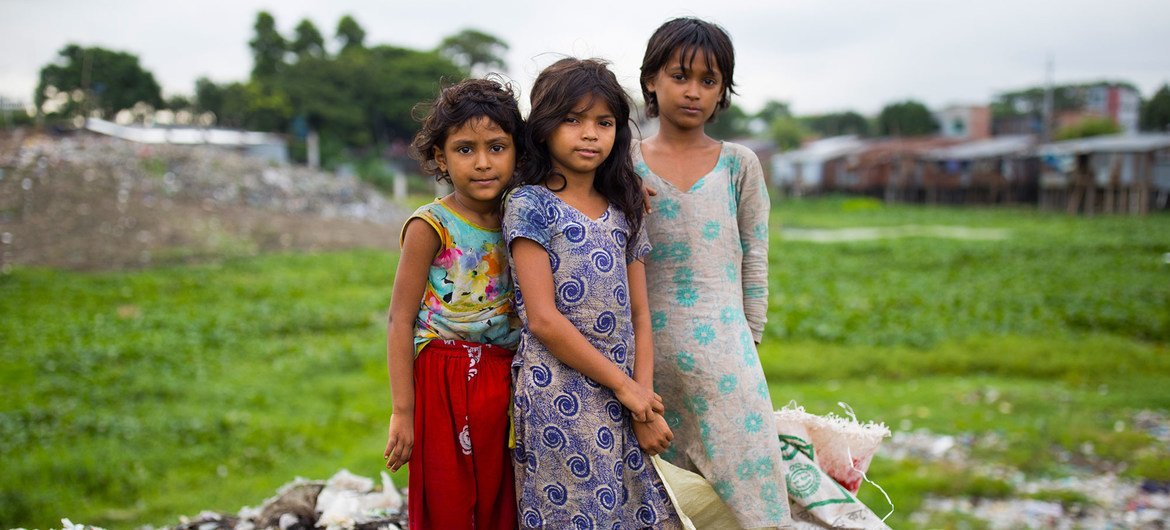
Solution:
(971, 122)
(1024, 111)
(890, 169)
(1120, 103)
(272, 147)
(995, 170)
(12, 105)
(1122, 173)
(12, 109)
(818, 165)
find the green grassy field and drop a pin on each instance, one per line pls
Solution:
(132, 398)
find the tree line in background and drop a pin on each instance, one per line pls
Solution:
(359, 98)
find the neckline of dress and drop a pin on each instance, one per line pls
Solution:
(604, 214)
(696, 184)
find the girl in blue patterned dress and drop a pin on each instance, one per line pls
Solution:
(585, 413)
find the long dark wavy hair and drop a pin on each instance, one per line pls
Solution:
(690, 36)
(460, 103)
(555, 94)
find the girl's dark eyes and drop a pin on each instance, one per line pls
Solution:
(463, 150)
(498, 148)
(606, 123)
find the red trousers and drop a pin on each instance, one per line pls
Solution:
(461, 467)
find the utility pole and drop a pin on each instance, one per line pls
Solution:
(1047, 113)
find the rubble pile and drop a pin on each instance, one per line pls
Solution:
(87, 202)
(344, 502)
(1086, 498)
(1092, 500)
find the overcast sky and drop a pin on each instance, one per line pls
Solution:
(818, 55)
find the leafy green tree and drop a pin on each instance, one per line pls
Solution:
(327, 92)
(268, 108)
(307, 41)
(268, 48)
(475, 51)
(837, 123)
(1092, 126)
(107, 80)
(397, 80)
(1155, 113)
(906, 118)
(364, 97)
(209, 97)
(359, 99)
(774, 110)
(730, 123)
(235, 108)
(252, 105)
(351, 35)
(788, 132)
(179, 102)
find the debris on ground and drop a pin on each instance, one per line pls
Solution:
(86, 202)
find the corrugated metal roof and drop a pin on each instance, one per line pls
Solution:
(825, 149)
(1000, 146)
(1116, 143)
(183, 135)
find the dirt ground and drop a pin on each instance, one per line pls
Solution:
(91, 203)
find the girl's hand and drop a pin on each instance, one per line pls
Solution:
(653, 436)
(647, 192)
(642, 402)
(400, 441)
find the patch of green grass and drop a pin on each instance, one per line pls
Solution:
(138, 397)
(1066, 498)
(1152, 463)
(133, 398)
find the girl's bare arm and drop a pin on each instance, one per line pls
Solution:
(564, 341)
(420, 244)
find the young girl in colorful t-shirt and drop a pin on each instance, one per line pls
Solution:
(452, 329)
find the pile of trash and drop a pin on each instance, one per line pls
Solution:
(1095, 497)
(209, 175)
(344, 502)
(91, 202)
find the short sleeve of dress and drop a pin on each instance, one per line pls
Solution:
(426, 214)
(638, 246)
(525, 217)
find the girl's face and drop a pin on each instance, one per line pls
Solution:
(584, 138)
(480, 157)
(687, 97)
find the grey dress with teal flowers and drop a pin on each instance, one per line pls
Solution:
(708, 284)
(577, 462)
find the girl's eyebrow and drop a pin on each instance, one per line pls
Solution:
(494, 139)
(701, 69)
(581, 113)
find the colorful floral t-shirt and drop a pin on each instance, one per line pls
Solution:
(468, 294)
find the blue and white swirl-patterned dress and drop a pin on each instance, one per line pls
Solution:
(577, 462)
